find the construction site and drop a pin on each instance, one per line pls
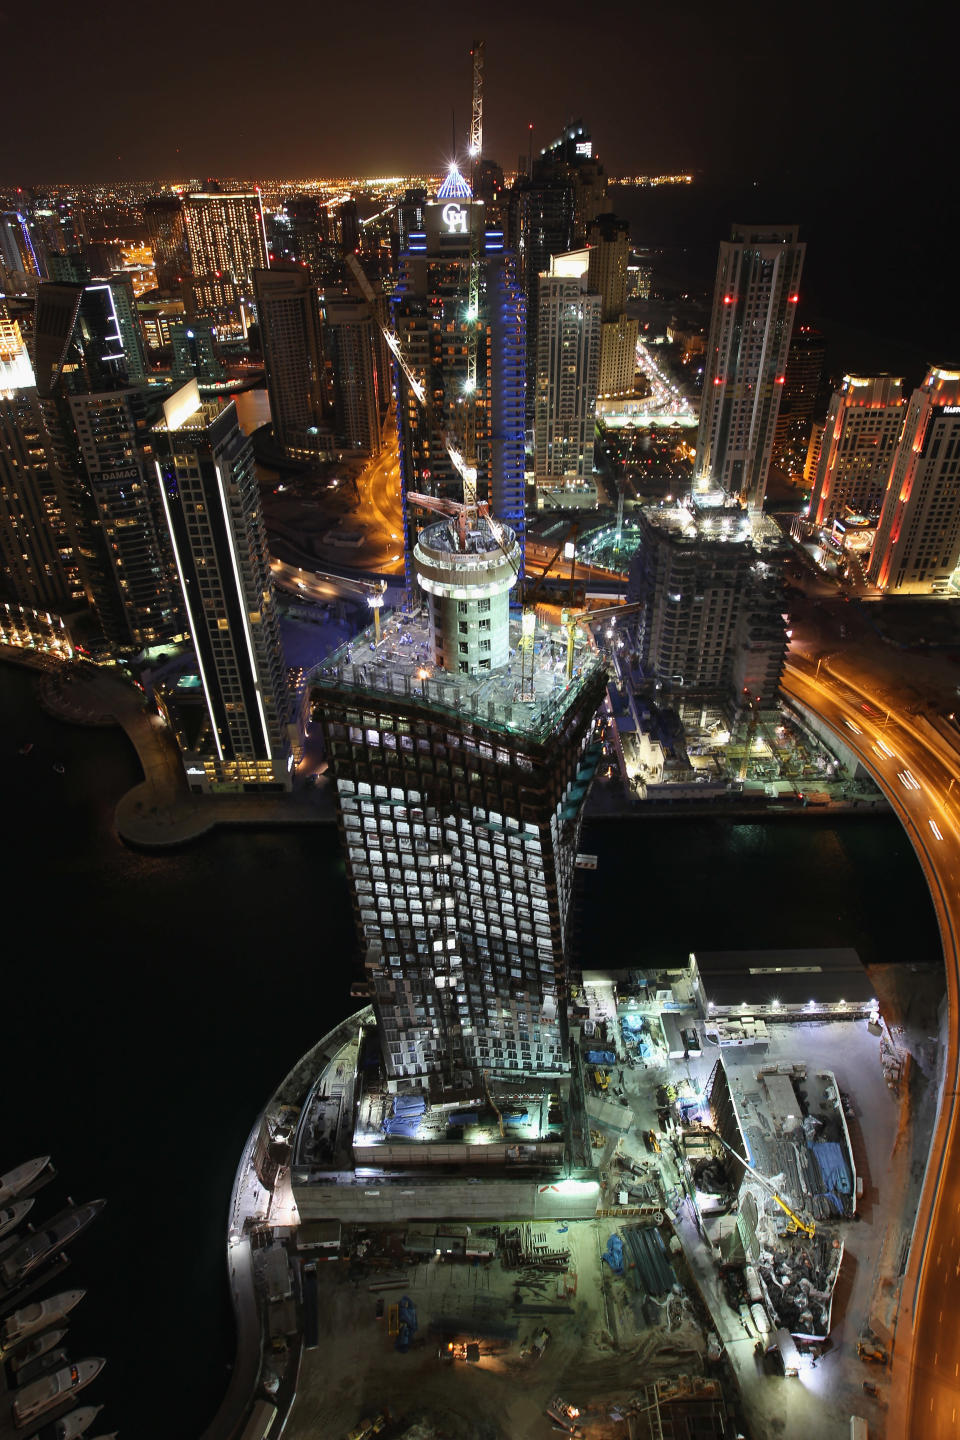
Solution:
(724, 1276)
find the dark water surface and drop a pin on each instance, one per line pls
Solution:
(149, 1004)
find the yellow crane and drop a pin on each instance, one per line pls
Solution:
(493, 1104)
(797, 1222)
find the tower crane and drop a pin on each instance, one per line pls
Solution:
(464, 467)
(366, 289)
(461, 511)
(473, 279)
(476, 114)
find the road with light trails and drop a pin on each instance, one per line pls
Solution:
(920, 775)
(379, 487)
(319, 584)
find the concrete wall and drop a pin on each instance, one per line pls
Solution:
(830, 738)
(448, 1199)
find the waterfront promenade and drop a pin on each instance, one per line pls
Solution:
(160, 812)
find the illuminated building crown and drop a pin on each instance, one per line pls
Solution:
(454, 187)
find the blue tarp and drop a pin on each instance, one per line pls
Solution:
(409, 1104)
(631, 1022)
(833, 1166)
(516, 1117)
(601, 1057)
(402, 1125)
(408, 1314)
(464, 1117)
(614, 1254)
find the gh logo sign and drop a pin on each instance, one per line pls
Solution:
(455, 219)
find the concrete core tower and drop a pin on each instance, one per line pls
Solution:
(467, 575)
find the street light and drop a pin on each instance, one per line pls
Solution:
(376, 602)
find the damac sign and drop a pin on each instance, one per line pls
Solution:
(455, 219)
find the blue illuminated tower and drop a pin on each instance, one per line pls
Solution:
(460, 321)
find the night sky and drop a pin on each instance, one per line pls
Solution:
(732, 91)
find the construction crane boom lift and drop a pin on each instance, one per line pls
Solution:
(796, 1222)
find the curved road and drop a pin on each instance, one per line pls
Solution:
(920, 775)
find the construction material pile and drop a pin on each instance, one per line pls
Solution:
(646, 1257)
(799, 1281)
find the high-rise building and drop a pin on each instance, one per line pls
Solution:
(814, 450)
(21, 264)
(801, 387)
(754, 303)
(618, 356)
(917, 546)
(608, 240)
(568, 371)
(231, 725)
(127, 316)
(226, 237)
(570, 157)
(290, 336)
(167, 233)
(112, 435)
(460, 804)
(37, 564)
(307, 234)
(467, 364)
(351, 341)
(195, 354)
(712, 621)
(157, 315)
(856, 448)
(212, 297)
(80, 355)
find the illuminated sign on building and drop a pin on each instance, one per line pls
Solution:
(455, 219)
(448, 224)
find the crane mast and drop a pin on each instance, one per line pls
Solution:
(476, 114)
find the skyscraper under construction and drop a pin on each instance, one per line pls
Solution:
(461, 745)
(462, 742)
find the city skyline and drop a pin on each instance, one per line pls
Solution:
(653, 104)
(304, 607)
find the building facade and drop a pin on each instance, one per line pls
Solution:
(226, 237)
(167, 233)
(608, 240)
(801, 387)
(567, 374)
(232, 721)
(754, 303)
(917, 546)
(857, 445)
(37, 565)
(351, 343)
(81, 359)
(290, 336)
(112, 431)
(712, 619)
(618, 356)
(195, 353)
